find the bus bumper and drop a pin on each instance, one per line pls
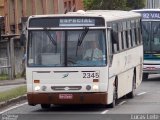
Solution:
(151, 69)
(67, 98)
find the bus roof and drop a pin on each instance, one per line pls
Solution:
(149, 14)
(109, 15)
(144, 10)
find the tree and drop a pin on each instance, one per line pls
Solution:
(113, 4)
(92, 4)
(135, 4)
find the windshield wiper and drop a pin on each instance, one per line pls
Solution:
(145, 29)
(81, 38)
(50, 37)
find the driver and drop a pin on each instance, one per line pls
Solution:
(94, 53)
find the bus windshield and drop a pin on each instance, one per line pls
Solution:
(66, 50)
(151, 36)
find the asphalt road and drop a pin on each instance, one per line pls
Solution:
(145, 106)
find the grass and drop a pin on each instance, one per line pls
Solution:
(18, 75)
(6, 76)
(3, 77)
(13, 93)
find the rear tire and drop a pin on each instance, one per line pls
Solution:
(45, 106)
(132, 93)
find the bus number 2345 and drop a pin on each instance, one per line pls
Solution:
(90, 75)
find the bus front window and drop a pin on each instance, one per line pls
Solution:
(146, 30)
(46, 48)
(156, 37)
(62, 48)
(87, 49)
(151, 36)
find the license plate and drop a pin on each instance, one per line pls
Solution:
(65, 96)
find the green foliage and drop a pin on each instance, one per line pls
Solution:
(13, 93)
(3, 76)
(113, 4)
(135, 4)
(91, 4)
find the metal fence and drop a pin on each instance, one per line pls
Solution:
(5, 69)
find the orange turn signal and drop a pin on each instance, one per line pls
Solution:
(95, 80)
(36, 81)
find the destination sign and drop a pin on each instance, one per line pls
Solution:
(77, 22)
(150, 15)
(67, 22)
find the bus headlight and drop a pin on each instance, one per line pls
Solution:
(37, 88)
(95, 87)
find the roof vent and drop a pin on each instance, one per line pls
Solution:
(81, 11)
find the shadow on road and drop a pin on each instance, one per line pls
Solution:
(74, 108)
(153, 77)
(79, 108)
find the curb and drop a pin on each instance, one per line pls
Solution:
(11, 101)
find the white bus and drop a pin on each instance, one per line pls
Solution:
(60, 72)
(151, 40)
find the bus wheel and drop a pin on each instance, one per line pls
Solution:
(113, 104)
(145, 76)
(132, 93)
(45, 106)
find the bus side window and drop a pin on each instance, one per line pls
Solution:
(140, 33)
(114, 37)
(126, 37)
(136, 32)
(125, 44)
(129, 34)
(120, 36)
(133, 26)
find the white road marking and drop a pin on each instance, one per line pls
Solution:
(122, 102)
(11, 108)
(141, 93)
(104, 112)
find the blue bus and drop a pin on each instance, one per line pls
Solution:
(151, 40)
